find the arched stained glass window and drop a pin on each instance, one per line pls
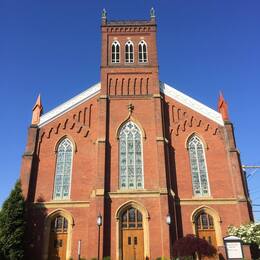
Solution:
(129, 52)
(63, 170)
(198, 167)
(115, 52)
(131, 158)
(132, 218)
(142, 52)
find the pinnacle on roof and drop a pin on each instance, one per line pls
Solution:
(37, 111)
(127, 22)
(223, 107)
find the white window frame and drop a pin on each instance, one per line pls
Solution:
(128, 44)
(115, 44)
(142, 43)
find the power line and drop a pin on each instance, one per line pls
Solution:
(251, 166)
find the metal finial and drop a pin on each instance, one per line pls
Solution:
(104, 13)
(152, 13)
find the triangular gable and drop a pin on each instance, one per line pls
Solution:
(70, 104)
(166, 89)
(191, 103)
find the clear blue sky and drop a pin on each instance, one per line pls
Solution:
(52, 47)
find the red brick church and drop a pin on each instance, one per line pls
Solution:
(131, 164)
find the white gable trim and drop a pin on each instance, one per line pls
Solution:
(70, 104)
(191, 103)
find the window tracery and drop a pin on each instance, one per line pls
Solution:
(129, 52)
(131, 161)
(132, 218)
(63, 170)
(115, 52)
(142, 52)
(198, 167)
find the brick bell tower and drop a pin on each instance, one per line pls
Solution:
(130, 91)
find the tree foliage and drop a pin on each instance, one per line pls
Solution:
(249, 233)
(191, 245)
(12, 225)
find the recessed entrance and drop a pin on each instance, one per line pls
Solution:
(132, 243)
(205, 228)
(58, 239)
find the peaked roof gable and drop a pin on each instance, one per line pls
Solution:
(191, 103)
(70, 104)
(166, 89)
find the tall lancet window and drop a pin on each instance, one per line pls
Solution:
(131, 157)
(115, 52)
(129, 52)
(142, 52)
(198, 167)
(63, 170)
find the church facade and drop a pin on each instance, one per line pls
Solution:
(131, 164)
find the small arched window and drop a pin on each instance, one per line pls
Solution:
(115, 52)
(142, 52)
(129, 52)
(63, 170)
(131, 157)
(198, 167)
(132, 218)
(204, 221)
(59, 225)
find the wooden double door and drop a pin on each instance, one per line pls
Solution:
(133, 244)
(132, 234)
(57, 247)
(58, 239)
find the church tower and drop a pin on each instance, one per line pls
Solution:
(131, 117)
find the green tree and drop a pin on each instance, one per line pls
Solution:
(12, 225)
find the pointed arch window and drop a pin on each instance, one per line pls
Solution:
(115, 52)
(142, 52)
(131, 157)
(63, 170)
(198, 167)
(129, 52)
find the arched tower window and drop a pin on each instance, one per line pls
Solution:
(142, 52)
(129, 52)
(115, 52)
(131, 158)
(63, 170)
(198, 167)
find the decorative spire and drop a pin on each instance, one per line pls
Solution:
(152, 13)
(104, 14)
(37, 111)
(223, 107)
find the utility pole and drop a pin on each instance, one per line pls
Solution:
(253, 168)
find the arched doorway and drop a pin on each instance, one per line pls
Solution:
(58, 238)
(205, 229)
(132, 234)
